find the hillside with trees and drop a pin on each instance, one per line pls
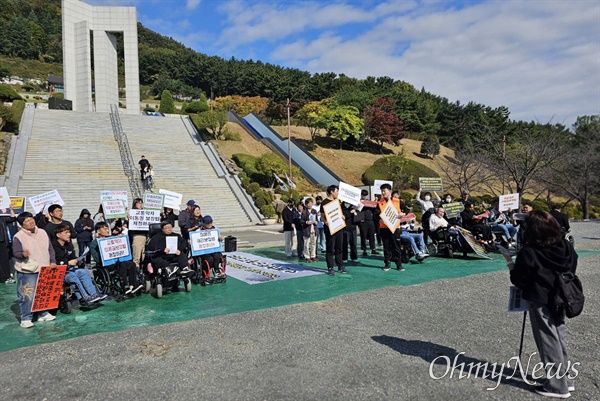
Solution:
(369, 115)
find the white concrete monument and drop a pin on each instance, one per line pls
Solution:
(79, 19)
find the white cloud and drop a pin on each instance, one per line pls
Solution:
(192, 4)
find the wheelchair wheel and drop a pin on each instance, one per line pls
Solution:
(159, 290)
(432, 249)
(188, 284)
(450, 253)
(65, 305)
(147, 286)
(102, 280)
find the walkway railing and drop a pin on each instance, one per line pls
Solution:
(129, 168)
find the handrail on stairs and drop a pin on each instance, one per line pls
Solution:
(129, 168)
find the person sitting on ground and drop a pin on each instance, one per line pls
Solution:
(168, 214)
(211, 260)
(561, 217)
(84, 226)
(195, 221)
(164, 255)
(126, 269)
(475, 225)
(31, 246)
(76, 274)
(427, 203)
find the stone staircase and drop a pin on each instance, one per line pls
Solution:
(76, 153)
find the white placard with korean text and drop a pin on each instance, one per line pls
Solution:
(4, 198)
(205, 241)
(140, 219)
(37, 202)
(389, 216)
(508, 201)
(377, 186)
(114, 209)
(172, 199)
(114, 249)
(153, 201)
(349, 194)
(114, 195)
(334, 216)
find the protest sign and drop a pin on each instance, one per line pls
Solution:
(114, 209)
(389, 216)
(476, 246)
(334, 216)
(453, 209)
(114, 249)
(205, 241)
(431, 184)
(377, 186)
(140, 219)
(171, 244)
(408, 217)
(509, 201)
(37, 202)
(114, 195)
(253, 269)
(516, 303)
(48, 288)
(349, 194)
(153, 201)
(17, 203)
(172, 199)
(4, 198)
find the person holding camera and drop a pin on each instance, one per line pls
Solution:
(545, 254)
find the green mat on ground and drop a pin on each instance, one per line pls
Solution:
(230, 297)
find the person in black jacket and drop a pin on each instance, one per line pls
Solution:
(288, 228)
(544, 255)
(84, 226)
(164, 255)
(366, 226)
(562, 218)
(5, 245)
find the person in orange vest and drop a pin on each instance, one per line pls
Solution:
(391, 241)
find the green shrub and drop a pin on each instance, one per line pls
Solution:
(262, 198)
(197, 107)
(268, 211)
(149, 109)
(246, 163)
(242, 175)
(246, 182)
(8, 94)
(55, 94)
(167, 105)
(386, 167)
(18, 108)
(232, 136)
(253, 188)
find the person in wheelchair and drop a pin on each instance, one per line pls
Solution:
(414, 239)
(65, 255)
(474, 224)
(211, 261)
(441, 231)
(126, 269)
(167, 249)
(500, 224)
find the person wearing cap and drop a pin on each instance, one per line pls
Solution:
(465, 197)
(163, 255)
(183, 218)
(288, 228)
(210, 260)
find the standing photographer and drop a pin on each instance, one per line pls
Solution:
(544, 254)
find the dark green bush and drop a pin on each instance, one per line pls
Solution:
(197, 107)
(268, 211)
(411, 169)
(253, 188)
(8, 94)
(232, 136)
(246, 182)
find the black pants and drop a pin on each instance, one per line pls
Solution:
(367, 232)
(127, 273)
(165, 260)
(210, 261)
(333, 248)
(391, 246)
(4, 262)
(350, 239)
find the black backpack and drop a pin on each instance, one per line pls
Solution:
(568, 294)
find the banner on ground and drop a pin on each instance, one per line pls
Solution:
(114, 249)
(516, 303)
(509, 201)
(48, 288)
(377, 186)
(389, 216)
(431, 184)
(114, 195)
(4, 198)
(172, 199)
(153, 201)
(349, 194)
(17, 203)
(140, 219)
(334, 216)
(114, 209)
(205, 241)
(37, 202)
(475, 246)
(453, 209)
(253, 269)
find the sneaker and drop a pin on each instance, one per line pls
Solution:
(542, 391)
(365, 253)
(26, 324)
(355, 260)
(101, 297)
(10, 281)
(386, 268)
(342, 270)
(571, 388)
(374, 252)
(173, 271)
(331, 272)
(84, 301)
(399, 268)
(314, 259)
(46, 318)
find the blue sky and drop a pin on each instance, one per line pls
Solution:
(540, 58)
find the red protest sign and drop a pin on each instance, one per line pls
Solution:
(48, 288)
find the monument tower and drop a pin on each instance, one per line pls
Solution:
(78, 21)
